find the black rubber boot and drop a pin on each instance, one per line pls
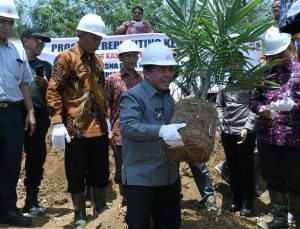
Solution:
(296, 207)
(279, 204)
(15, 218)
(80, 219)
(99, 200)
(31, 203)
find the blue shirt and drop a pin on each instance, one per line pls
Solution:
(14, 70)
(143, 111)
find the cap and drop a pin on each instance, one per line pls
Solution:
(34, 32)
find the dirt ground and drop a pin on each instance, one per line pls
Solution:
(59, 213)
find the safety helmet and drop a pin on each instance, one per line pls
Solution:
(92, 23)
(8, 9)
(158, 54)
(274, 42)
(128, 46)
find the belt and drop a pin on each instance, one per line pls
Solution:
(8, 104)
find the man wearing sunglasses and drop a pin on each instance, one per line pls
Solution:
(137, 25)
(35, 146)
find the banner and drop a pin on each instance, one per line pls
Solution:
(108, 49)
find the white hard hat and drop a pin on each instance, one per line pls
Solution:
(8, 9)
(128, 46)
(158, 54)
(92, 23)
(274, 42)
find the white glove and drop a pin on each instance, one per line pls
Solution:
(59, 135)
(285, 104)
(169, 133)
(110, 134)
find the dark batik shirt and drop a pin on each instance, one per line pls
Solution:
(115, 85)
(284, 130)
(75, 93)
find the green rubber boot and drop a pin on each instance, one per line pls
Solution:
(80, 219)
(279, 203)
(99, 200)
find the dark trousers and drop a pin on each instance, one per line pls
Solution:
(240, 159)
(35, 149)
(280, 167)
(161, 203)
(11, 144)
(86, 163)
(118, 163)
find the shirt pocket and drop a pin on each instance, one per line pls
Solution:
(15, 77)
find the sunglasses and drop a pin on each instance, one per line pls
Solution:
(39, 42)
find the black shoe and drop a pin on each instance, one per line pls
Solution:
(34, 209)
(15, 218)
(233, 207)
(247, 212)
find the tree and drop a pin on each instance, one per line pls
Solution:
(203, 31)
(59, 18)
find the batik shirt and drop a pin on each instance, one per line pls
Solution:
(284, 130)
(76, 95)
(115, 85)
(136, 29)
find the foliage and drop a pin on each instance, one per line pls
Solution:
(202, 29)
(59, 18)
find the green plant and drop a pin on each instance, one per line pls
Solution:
(203, 32)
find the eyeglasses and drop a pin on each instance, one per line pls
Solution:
(137, 12)
(39, 42)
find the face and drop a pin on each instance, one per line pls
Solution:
(6, 27)
(160, 76)
(33, 45)
(129, 59)
(275, 9)
(89, 42)
(137, 15)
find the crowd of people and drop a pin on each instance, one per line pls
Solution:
(131, 112)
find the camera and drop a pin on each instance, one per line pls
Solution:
(39, 70)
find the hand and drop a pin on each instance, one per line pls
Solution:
(59, 135)
(30, 122)
(244, 135)
(219, 131)
(170, 134)
(285, 104)
(267, 113)
(110, 133)
(146, 23)
(41, 82)
(128, 24)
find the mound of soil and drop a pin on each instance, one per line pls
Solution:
(59, 209)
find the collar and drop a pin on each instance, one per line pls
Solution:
(8, 44)
(151, 91)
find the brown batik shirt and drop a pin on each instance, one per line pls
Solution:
(75, 94)
(115, 85)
